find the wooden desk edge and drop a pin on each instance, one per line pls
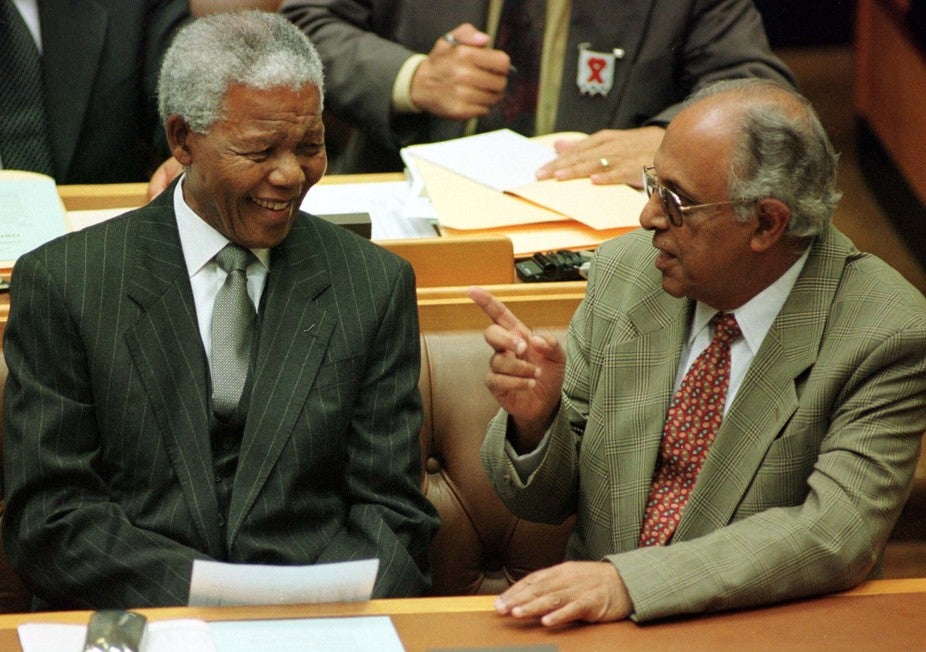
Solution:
(382, 607)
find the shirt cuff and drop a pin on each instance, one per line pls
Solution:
(527, 463)
(402, 88)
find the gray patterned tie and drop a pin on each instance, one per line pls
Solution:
(232, 331)
(23, 135)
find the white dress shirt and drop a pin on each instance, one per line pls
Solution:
(30, 13)
(200, 243)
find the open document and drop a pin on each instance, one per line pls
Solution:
(486, 182)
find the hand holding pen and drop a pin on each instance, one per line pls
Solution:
(462, 77)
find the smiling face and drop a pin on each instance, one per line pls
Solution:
(708, 257)
(247, 176)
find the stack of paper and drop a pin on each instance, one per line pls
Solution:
(486, 184)
(31, 213)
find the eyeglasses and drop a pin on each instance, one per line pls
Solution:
(671, 202)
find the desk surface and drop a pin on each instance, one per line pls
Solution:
(881, 615)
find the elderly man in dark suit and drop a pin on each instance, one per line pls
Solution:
(160, 410)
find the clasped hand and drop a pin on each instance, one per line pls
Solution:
(463, 79)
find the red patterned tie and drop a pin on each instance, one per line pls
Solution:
(693, 419)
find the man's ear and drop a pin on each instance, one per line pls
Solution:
(178, 138)
(773, 217)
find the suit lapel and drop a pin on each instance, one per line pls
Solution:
(168, 354)
(295, 326)
(74, 32)
(660, 323)
(768, 396)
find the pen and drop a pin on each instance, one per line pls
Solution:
(452, 40)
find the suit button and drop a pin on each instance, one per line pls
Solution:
(221, 522)
(218, 479)
(507, 479)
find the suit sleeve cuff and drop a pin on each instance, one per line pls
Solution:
(527, 463)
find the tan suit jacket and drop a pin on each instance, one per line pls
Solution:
(809, 470)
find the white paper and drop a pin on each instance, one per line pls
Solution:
(181, 635)
(395, 211)
(217, 584)
(360, 634)
(31, 213)
(499, 159)
(357, 634)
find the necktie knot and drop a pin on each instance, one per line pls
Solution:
(233, 257)
(726, 329)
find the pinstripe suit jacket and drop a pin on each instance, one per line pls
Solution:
(108, 471)
(811, 465)
(672, 47)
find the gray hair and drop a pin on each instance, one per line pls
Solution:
(258, 49)
(783, 154)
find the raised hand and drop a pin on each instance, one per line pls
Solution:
(525, 372)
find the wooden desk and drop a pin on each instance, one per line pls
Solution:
(882, 615)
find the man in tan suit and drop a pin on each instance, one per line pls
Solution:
(822, 405)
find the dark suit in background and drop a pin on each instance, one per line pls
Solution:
(108, 475)
(671, 49)
(100, 63)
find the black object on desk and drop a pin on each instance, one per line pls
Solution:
(114, 630)
(561, 265)
(359, 223)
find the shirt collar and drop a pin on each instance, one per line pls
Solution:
(755, 317)
(199, 241)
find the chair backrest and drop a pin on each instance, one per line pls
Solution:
(481, 547)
